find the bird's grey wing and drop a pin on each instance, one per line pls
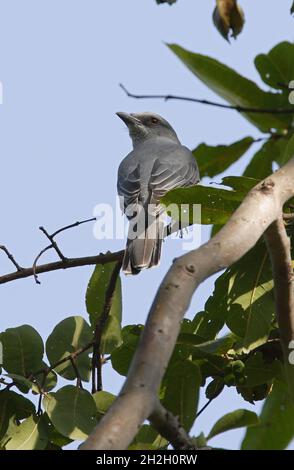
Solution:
(128, 183)
(178, 170)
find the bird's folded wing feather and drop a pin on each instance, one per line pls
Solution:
(178, 171)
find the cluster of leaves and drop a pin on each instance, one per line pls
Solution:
(248, 358)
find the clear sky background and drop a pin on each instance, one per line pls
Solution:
(61, 143)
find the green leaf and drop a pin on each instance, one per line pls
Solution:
(277, 67)
(103, 402)
(217, 205)
(292, 9)
(249, 297)
(95, 298)
(72, 411)
(147, 435)
(276, 428)
(240, 183)
(212, 320)
(181, 391)
(13, 406)
(261, 164)
(234, 420)
(288, 153)
(215, 160)
(258, 371)
(31, 434)
(236, 89)
(122, 356)
(55, 438)
(22, 383)
(50, 381)
(22, 350)
(218, 346)
(214, 388)
(70, 335)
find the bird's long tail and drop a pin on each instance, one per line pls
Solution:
(144, 250)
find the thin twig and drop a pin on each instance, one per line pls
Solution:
(75, 224)
(67, 358)
(40, 389)
(96, 359)
(239, 109)
(11, 257)
(77, 372)
(69, 263)
(53, 243)
(204, 407)
(36, 261)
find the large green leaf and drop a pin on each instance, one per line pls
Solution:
(271, 151)
(234, 420)
(95, 299)
(72, 411)
(212, 319)
(217, 205)
(70, 335)
(214, 160)
(122, 356)
(277, 67)
(31, 434)
(289, 151)
(22, 350)
(13, 406)
(103, 402)
(240, 183)
(217, 347)
(148, 436)
(181, 391)
(276, 428)
(235, 89)
(258, 371)
(250, 302)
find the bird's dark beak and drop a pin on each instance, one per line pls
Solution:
(128, 119)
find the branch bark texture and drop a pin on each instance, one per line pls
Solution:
(279, 247)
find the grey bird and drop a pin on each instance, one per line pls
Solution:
(157, 164)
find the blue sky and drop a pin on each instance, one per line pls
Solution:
(61, 143)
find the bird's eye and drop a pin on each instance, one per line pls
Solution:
(154, 120)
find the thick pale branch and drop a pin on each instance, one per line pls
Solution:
(138, 398)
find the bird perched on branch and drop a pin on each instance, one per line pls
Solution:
(157, 164)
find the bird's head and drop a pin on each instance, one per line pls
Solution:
(147, 125)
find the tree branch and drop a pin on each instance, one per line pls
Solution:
(169, 427)
(279, 247)
(66, 264)
(11, 257)
(138, 397)
(240, 109)
(96, 359)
